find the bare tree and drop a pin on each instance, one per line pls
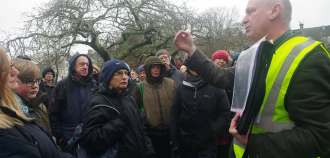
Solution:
(219, 29)
(113, 28)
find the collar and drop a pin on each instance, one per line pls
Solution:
(282, 37)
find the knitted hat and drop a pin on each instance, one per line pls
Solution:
(140, 69)
(235, 57)
(111, 67)
(220, 54)
(47, 70)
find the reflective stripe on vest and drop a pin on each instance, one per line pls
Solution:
(273, 115)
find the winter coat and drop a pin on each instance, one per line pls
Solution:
(307, 103)
(44, 87)
(157, 98)
(27, 141)
(37, 109)
(199, 112)
(102, 128)
(130, 86)
(70, 101)
(176, 75)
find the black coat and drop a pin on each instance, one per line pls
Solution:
(176, 75)
(198, 114)
(102, 128)
(307, 102)
(27, 141)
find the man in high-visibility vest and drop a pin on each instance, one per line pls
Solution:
(295, 110)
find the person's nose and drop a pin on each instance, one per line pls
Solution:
(245, 20)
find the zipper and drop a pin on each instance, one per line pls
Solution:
(161, 111)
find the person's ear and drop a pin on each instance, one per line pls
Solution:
(275, 11)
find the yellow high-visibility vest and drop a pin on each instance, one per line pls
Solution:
(273, 115)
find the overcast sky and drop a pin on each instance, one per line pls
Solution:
(311, 13)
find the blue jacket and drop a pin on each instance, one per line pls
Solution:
(70, 100)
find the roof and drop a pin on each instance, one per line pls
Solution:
(315, 31)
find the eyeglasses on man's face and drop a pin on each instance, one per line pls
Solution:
(163, 57)
(121, 73)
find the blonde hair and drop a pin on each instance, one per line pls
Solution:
(28, 71)
(7, 97)
(96, 68)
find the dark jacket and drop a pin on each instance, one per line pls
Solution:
(44, 87)
(176, 75)
(103, 128)
(199, 112)
(157, 98)
(27, 141)
(307, 101)
(70, 101)
(130, 86)
(37, 109)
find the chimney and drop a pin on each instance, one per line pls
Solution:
(301, 26)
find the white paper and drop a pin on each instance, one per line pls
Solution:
(244, 73)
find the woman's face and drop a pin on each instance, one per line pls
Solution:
(155, 71)
(11, 81)
(142, 75)
(28, 89)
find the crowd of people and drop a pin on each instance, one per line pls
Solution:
(176, 111)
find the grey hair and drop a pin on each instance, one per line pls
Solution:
(163, 51)
(286, 9)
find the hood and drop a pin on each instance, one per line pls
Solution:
(35, 102)
(193, 82)
(147, 65)
(72, 62)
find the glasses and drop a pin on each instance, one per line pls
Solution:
(121, 73)
(11, 66)
(163, 57)
(30, 84)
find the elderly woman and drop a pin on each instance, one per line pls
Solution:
(104, 126)
(28, 90)
(20, 136)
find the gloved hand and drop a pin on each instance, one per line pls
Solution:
(123, 117)
(176, 152)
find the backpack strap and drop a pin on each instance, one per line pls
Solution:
(141, 95)
(103, 105)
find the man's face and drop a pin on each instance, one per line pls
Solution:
(165, 59)
(49, 76)
(256, 19)
(155, 71)
(133, 75)
(142, 75)
(221, 62)
(28, 89)
(81, 67)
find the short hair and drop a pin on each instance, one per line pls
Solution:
(286, 9)
(163, 51)
(96, 68)
(28, 71)
(179, 58)
(134, 72)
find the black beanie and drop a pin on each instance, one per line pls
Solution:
(47, 70)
